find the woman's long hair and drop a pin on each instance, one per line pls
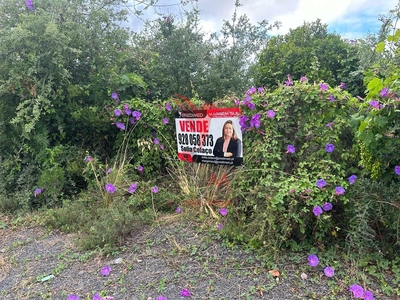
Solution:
(234, 136)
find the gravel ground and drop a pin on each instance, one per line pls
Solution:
(159, 260)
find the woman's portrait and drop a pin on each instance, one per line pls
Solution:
(228, 145)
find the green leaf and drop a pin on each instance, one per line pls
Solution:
(380, 47)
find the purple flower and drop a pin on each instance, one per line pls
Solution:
(88, 158)
(397, 170)
(120, 125)
(339, 190)
(154, 189)
(251, 105)
(270, 113)
(132, 120)
(136, 114)
(223, 211)
(251, 91)
(37, 192)
(323, 86)
(260, 89)
(331, 97)
(321, 183)
(327, 206)
(358, 291)
(156, 141)
(161, 298)
(73, 297)
(132, 188)
(165, 121)
(303, 79)
(243, 120)
(313, 260)
(168, 106)
(108, 171)
(289, 80)
(127, 111)
(317, 210)
(329, 272)
(329, 125)
(353, 178)
(290, 149)
(110, 188)
(114, 95)
(140, 168)
(384, 92)
(342, 86)
(161, 146)
(178, 210)
(246, 100)
(220, 226)
(29, 4)
(329, 148)
(117, 112)
(105, 271)
(96, 297)
(255, 121)
(374, 103)
(237, 102)
(185, 293)
(368, 295)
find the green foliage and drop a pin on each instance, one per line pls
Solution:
(278, 191)
(311, 51)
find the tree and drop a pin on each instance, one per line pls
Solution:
(310, 51)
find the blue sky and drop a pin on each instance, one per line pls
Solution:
(350, 18)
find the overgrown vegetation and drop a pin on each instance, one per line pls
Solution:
(87, 130)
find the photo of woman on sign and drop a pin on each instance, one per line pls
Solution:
(228, 145)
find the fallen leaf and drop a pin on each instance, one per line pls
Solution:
(274, 273)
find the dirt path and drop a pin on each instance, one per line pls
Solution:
(37, 264)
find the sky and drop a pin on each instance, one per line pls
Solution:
(350, 18)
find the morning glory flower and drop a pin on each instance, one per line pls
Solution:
(154, 189)
(353, 178)
(358, 291)
(114, 95)
(321, 183)
(368, 295)
(162, 146)
(251, 105)
(251, 91)
(290, 149)
(165, 121)
(37, 192)
(329, 148)
(303, 79)
(220, 226)
(156, 141)
(317, 210)
(329, 271)
(29, 4)
(339, 190)
(185, 293)
(332, 98)
(246, 100)
(73, 297)
(168, 106)
(289, 80)
(260, 89)
(132, 188)
(342, 86)
(120, 125)
(397, 170)
(327, 206)
(140, 168)
(255, 121)
(374, 103)
(178, 210)
(117, 112)
(108, 171)
(88, 158)
(110, 188)
(323, 86)
(136, 115)
(105, 271)
(313, 260)
(96, 297)
(384, 92)
(329, 125)
(270, 113)
(223, 211)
